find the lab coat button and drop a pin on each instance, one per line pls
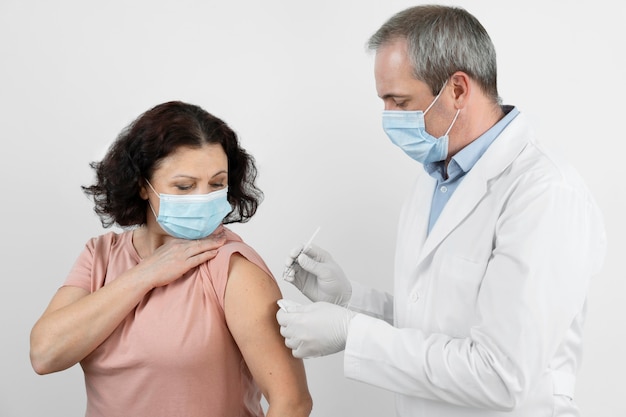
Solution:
(414, 297)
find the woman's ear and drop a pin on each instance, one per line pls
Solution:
(143, 189)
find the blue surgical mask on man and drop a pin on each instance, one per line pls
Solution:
(407, 130)
(191, 216)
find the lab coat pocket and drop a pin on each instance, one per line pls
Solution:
(456, 289)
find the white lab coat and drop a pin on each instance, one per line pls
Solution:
(488, 308)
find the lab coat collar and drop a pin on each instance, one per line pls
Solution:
(471, 191)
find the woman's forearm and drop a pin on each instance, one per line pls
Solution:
(76, 322)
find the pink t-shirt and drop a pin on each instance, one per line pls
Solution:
(173, 355)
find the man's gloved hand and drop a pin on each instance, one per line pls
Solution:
(313, 330)
(318, 276)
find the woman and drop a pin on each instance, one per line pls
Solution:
(176, 315)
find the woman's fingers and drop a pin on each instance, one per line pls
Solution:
(177, 256)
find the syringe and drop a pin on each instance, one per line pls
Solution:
(304, 248)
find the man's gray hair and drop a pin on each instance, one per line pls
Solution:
(442, 40)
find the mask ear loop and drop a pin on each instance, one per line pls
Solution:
(149, 203)
(433, 103)
(148, 182)
(453, 120)
(436, 98)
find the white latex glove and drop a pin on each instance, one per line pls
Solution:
(318, 276)
(313, 330)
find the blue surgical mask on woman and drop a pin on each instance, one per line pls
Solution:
(191, 216)
(407, 130)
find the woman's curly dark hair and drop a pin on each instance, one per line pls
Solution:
(154, 135)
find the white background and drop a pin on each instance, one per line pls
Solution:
(294, 80)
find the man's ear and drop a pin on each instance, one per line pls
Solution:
(461, 88)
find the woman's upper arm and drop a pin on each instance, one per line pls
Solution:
(250, 308)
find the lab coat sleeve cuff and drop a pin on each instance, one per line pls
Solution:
(375, 354)
(359, 364)
(357, 330)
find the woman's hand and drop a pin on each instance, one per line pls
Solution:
(177, 256)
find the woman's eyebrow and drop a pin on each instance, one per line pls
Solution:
(223, 171)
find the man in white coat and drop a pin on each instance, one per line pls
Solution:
(497, 243)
